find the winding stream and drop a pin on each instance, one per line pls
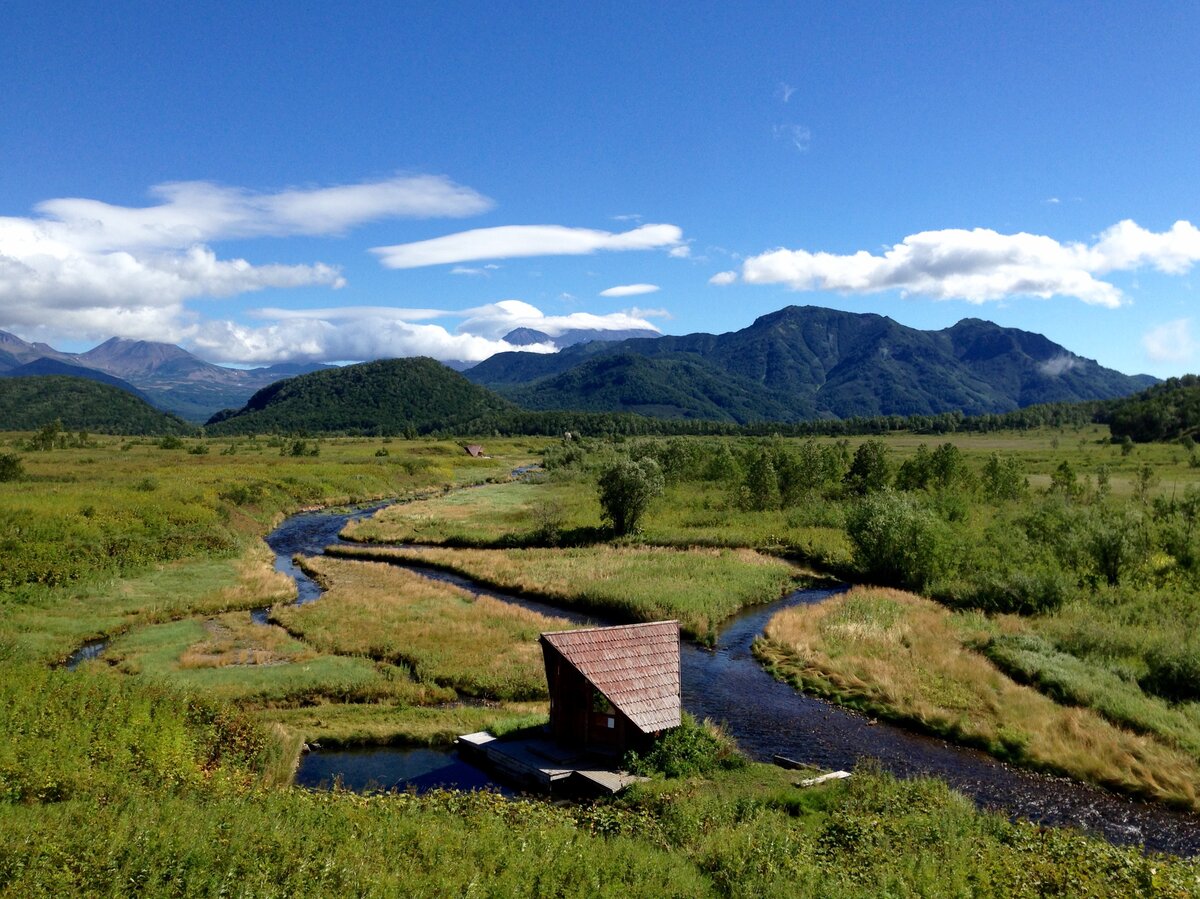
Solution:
(768, 717)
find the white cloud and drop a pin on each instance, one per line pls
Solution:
(784, 91)
(799, 136)
(512, 241)
(629, 290)
(722, 279)
(683, 251)
(497, 319)
(83, 265)
(982, 265)
(1171, 342)
(361, 337)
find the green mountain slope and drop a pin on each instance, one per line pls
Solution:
(81, 404)
(803, 362)
(389, 396)
(1167, 411)
(674, 386)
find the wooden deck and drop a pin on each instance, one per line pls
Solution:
(541, 764)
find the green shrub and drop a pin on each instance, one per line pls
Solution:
(896, 541)
(690, 750)
(11, 468)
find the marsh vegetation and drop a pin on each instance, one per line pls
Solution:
(1048, 593)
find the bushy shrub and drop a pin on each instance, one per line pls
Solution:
(690, 750)
(1174, 672)
(896, 541)
(11, 468)
(1025, 591)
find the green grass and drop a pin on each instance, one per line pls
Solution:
(156, 653)
(700, 588)
(476, 646)
(1070, 680)
(747, 835)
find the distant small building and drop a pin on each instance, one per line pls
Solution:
(474, 450)
(613, 688)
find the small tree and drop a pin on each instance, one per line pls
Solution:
(626, 489)
(760, 489)
(870, 471)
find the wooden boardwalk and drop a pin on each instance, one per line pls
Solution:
(543, 765)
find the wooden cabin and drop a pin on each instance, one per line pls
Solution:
(475, 451)
(613, 688)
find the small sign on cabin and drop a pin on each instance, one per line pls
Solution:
(613, 688)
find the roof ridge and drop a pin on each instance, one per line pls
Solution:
(608, 627)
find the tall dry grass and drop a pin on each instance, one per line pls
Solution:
(478, 646)
(904, 657)
(699, 587)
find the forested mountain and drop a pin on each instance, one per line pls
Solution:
(802, 362)
(47, 366)
(1167, 411)
(81, 404)
(390, 396)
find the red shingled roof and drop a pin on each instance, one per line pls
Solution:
(636, 666)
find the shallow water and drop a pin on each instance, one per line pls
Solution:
(385, 768)
(769, 718)
(85, 653)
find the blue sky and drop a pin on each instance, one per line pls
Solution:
(360, 180)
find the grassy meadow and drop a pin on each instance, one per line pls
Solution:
(1052, 623)
(699, 587)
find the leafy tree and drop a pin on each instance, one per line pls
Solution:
(870, 470)
(760, 489)
(916, 471)
(48, 436)
(1065, 481)
(1003, 478)
(626, 489)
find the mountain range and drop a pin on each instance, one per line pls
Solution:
(795, 364)
(808, 362)
(165, 375)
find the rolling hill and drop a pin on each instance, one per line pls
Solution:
(389, 396)
(82, 404)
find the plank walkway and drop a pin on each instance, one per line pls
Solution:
(543, 765)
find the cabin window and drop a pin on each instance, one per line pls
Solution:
(601, 704)
(612, 722)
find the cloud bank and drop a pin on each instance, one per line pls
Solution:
(515, 241)
(983, 265)
(91, 267)
(375, 332)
